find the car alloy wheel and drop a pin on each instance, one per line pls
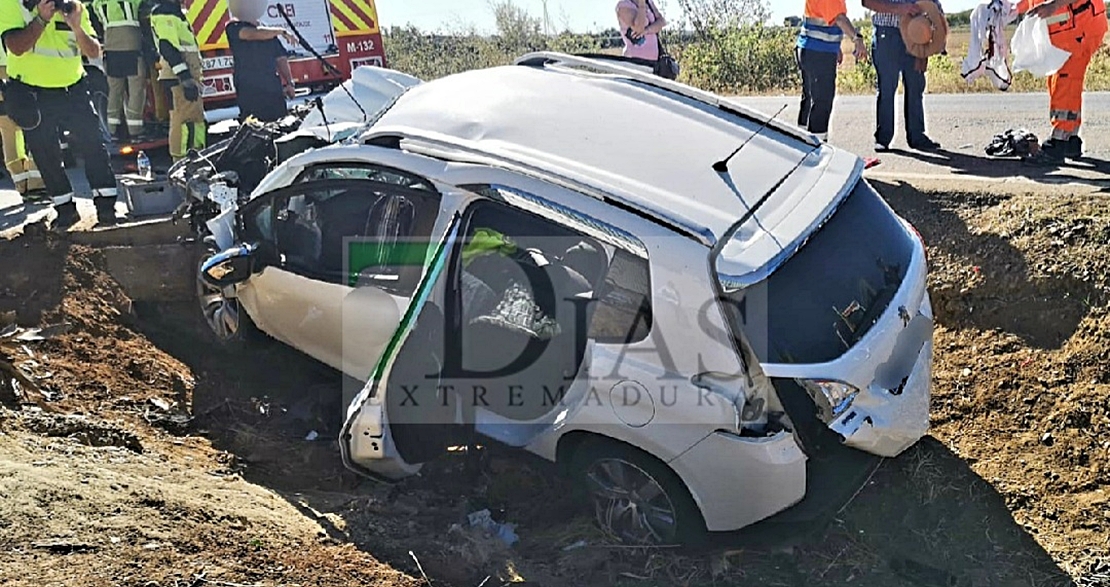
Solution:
(223, 315)
(630, 503)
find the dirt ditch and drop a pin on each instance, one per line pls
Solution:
(145, 455)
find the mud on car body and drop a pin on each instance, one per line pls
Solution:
(691, 339)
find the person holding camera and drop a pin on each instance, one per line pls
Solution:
(47, 90)
(181, 71)
(640, 26)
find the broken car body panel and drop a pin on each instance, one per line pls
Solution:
(692, 390)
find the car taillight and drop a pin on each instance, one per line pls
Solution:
(920, 238)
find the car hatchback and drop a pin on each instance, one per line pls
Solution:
(685, 303)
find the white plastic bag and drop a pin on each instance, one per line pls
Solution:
(1033, 51)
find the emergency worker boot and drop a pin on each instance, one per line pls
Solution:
(1074, 148)
(67, 216)
(1052, 154)
(105, 211)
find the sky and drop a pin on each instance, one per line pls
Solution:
(579, 15)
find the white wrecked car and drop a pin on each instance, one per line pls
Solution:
(693, 308)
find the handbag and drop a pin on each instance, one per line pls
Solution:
(666, 66)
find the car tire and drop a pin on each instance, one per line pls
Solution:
(613, 479)
(227, 323)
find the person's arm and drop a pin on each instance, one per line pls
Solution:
(169, 47)
(899, 8)
(850, 31)
(1052, 7)
(289, 86)
(634, 18)
(21, 38)
(265, 33)
(78, 20)
(660, 22)
(165, 32)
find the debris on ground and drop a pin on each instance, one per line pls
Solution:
(483, 521)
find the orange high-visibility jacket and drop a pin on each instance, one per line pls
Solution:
(1080, 17)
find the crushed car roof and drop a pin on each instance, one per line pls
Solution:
(649, 147)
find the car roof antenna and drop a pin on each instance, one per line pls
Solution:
(722, 165)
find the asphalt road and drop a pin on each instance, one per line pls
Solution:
(963, 123)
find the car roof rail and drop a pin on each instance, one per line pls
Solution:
(439, 146)
(616, 66)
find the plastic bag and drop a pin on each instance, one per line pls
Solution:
(1033, 51)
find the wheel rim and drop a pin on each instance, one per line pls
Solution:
(220, 312)
(630, 503)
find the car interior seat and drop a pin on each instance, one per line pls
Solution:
(299, 236)
(528, 341)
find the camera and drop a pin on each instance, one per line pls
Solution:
(630, 35)
(65, 6)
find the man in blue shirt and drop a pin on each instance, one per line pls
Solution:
(892, 61)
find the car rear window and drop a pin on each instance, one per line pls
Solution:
(831, 292)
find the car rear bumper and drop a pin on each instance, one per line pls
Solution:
(886, 422)
(737, 481)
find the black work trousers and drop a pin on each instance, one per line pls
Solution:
(818, 89)
(70, 109)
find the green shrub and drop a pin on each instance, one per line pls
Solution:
(750, 58)
(732, 50)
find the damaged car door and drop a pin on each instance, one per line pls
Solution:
(343, 254)
(495, 344)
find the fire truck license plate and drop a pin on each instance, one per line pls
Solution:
(222, 62)
(373, 60)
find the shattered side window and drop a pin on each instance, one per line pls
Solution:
(624, 313)
(366, 172)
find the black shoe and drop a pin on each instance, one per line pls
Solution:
(924, 144)
(1050, 155)
(105, 211)
(1069, 149)
(67, 216)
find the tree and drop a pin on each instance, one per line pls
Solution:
(515, 26)
(706, 15)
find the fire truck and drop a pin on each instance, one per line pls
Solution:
(344, 33)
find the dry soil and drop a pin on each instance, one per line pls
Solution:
(145, 455)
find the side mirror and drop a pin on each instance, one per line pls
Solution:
(229, 267)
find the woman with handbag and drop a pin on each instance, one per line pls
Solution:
(640, 24)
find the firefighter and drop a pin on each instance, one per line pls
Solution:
(1078, 27)
(25, 176)
(181, 71)
(123, 64)
(48, 90)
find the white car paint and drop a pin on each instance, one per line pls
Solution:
(637, 160)
(344, 327)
